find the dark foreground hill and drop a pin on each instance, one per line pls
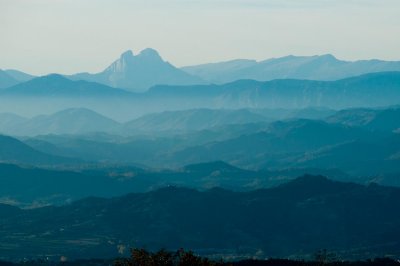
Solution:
(31, 186)
(295, 219)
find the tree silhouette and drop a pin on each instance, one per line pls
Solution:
(141, 257)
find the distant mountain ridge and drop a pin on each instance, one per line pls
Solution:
(140, 72)
(147, 68)
(318, 67)
(369, 90)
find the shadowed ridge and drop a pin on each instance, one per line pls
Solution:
(308, 186)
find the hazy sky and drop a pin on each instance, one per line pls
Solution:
(68, 36)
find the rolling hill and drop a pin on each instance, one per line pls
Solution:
(274, 145)
(192, 120)
(15, 151)
(384, 119)
(71, 121)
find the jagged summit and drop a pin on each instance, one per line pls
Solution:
(120, 64)
(145, 53)
(129, 60)
(150, 56)
(150, 52)
(127, 54)
(140, 72)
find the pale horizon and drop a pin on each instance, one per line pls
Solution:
(70, 36)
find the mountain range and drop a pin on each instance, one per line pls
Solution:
(370, 90)
(362, 151)
(145, 154)
(146, 69)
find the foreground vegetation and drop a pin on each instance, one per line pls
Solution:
(142, 257)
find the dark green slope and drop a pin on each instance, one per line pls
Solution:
(28, 185)
(293, 219)
(279, 140)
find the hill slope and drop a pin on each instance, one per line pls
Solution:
(6, 80)
(370, 90)
(19, 75)
(372, 119)
(293, 219)
(70, 121)
(191, 120)
(55, 85)
(15, 151)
